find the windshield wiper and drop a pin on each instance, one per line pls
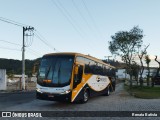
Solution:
(59, 81)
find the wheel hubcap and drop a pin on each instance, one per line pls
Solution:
(85, 96)
(108, 91)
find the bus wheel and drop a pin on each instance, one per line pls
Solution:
(107, 92)
(85, 96)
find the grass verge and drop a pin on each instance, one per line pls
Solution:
(144, 92)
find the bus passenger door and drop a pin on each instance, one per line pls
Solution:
(78, 73)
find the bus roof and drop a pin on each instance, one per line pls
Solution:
(79, 54)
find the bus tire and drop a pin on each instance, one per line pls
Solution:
(85, 96)
(107, 91)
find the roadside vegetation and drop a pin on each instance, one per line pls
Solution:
(15, 66)
(129, 46)
(144, 92)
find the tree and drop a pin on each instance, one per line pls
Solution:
(135, 70)
(125, 44)
(148, 60)
(157, 73)
(141, 55)
(158, 64)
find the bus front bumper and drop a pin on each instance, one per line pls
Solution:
(53, 97)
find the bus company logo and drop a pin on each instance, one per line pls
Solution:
(6, 114)
(98, 78)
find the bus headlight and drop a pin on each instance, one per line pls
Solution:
(38, 90)
(66, 92)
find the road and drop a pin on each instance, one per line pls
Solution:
(119, 100)
(8, 100)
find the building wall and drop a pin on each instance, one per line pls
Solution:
(3, 81)
(121, 74)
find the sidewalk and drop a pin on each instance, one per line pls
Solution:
(15, 91)
(15, 88)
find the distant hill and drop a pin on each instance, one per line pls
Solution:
(15, 66)
(121, 65)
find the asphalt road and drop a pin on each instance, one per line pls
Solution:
(119, 100)
(15, 98)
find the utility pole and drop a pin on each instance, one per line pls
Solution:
(23, 62)
(107, 57)
(23, 55)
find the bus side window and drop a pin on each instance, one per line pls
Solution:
(78, 77)
(88, 69)
(80, 73)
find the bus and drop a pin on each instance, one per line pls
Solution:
(73, 77)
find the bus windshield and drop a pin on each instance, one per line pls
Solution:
(57, 69)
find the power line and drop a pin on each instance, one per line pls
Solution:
(20, 45)
(44, 40)
(16, 50)
(40, 37)
(88, 25)
(11, 22)
(75, 21)
(9, 48)
(14, 21)
(10, 42)
(23, 45)
(70, 21)
(84, 19)
(27, 42)
(93, 21)
(33, 52)
(90, 15)
(69, 18)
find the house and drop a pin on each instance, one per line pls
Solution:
(122, 74)
(18, 77)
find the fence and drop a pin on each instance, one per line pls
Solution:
(17, 85)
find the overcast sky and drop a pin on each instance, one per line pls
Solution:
(83, 26)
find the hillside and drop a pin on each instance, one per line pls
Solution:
(15, 66)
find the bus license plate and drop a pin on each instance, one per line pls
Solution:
(50, 95)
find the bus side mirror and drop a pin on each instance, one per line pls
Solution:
(76, 70)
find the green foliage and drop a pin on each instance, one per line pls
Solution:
(147, 59)
(135, 70)
(146, 92)
(15, 66)
(126, 44)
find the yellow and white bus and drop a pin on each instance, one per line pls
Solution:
(73, 77)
